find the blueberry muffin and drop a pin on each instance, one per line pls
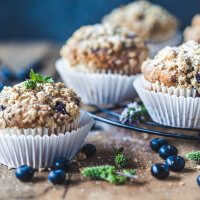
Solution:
(193, 32)
(33, 104)
(177, 67)
(150, 22)
(104, 48)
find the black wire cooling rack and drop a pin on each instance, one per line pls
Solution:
(111, 117)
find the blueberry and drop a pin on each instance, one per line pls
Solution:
(88, 150)
(57, 176)
(62, 163)
(198, 180)
(6, 74)
(24, 173)
(1, 86)
(23, 74)
(167, 150)
(159, 171)
(198, 77)
(175, 163)
(60, 107)
(156, 143)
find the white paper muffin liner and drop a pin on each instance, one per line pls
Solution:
(171, 110)
(175, 40)
(178, 91)
(38, 151)
(97, 88)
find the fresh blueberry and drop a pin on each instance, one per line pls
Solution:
(88, 150)
(175, 163)
(167, 150)
(62, 163)
(23, 74)
(57, 176)
(159, 171)
(6, 73)
(1, 86)
(24, 173)
(156, 143)
(198, 180)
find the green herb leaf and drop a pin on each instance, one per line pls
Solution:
(30, 84)
(129, 172)
(120, 159)
(194, 155)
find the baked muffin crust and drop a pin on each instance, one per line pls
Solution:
(103, 47)
(151, 22)
(175, 66)
(48, 105)
(193, 32)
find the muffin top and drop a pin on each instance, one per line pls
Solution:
(175, 66)
(151, 22)
(103, 47)
(29, 105)
(193, 32)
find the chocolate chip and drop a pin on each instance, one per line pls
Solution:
(60, 107)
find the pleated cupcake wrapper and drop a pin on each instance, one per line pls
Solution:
(171, 110)
(175, 40)
(157, 87)
(98, 88)
(41, 151)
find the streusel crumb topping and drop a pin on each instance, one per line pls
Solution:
(149, 21)
(105, 47)
(175, 66)
(48, 105)
(193, 32)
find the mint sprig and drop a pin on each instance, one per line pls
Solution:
(194, 155)
(36, 79)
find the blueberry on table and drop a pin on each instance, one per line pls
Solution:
(159, 171)
(167, 150)
(24, 173)
(198, 180)
(6, 73)
(57, 176)
(62, 164)
(175, 163)
(156, 143)
(1, 86)
(89, 150)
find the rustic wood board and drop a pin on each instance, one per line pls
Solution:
(177, 186)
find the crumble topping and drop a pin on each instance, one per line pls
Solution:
(103, 47)
(151, 22)
(175, 66)
(48, 105)
(193, 32)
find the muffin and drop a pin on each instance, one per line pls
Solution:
(151, 22)
(40, 121)
(97, 59)
(193, 32)
(170, 86)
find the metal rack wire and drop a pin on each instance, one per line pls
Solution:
(112, 118)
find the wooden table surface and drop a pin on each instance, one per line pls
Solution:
(179, 186)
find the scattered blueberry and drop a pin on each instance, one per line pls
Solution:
(88, 150)
(62, 163)
(1, 86)
(198, 180)
(159, 171)
(156, 143)
(24, 173)
(167, 150)
(57, 176)
(23, 74)
(175, 163)
(6, 73)
(60, 107)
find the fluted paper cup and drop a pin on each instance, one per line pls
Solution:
(167, 109)
(40, 151)
(175, 40)
(98, 88)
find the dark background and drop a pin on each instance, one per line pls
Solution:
(57, 19)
